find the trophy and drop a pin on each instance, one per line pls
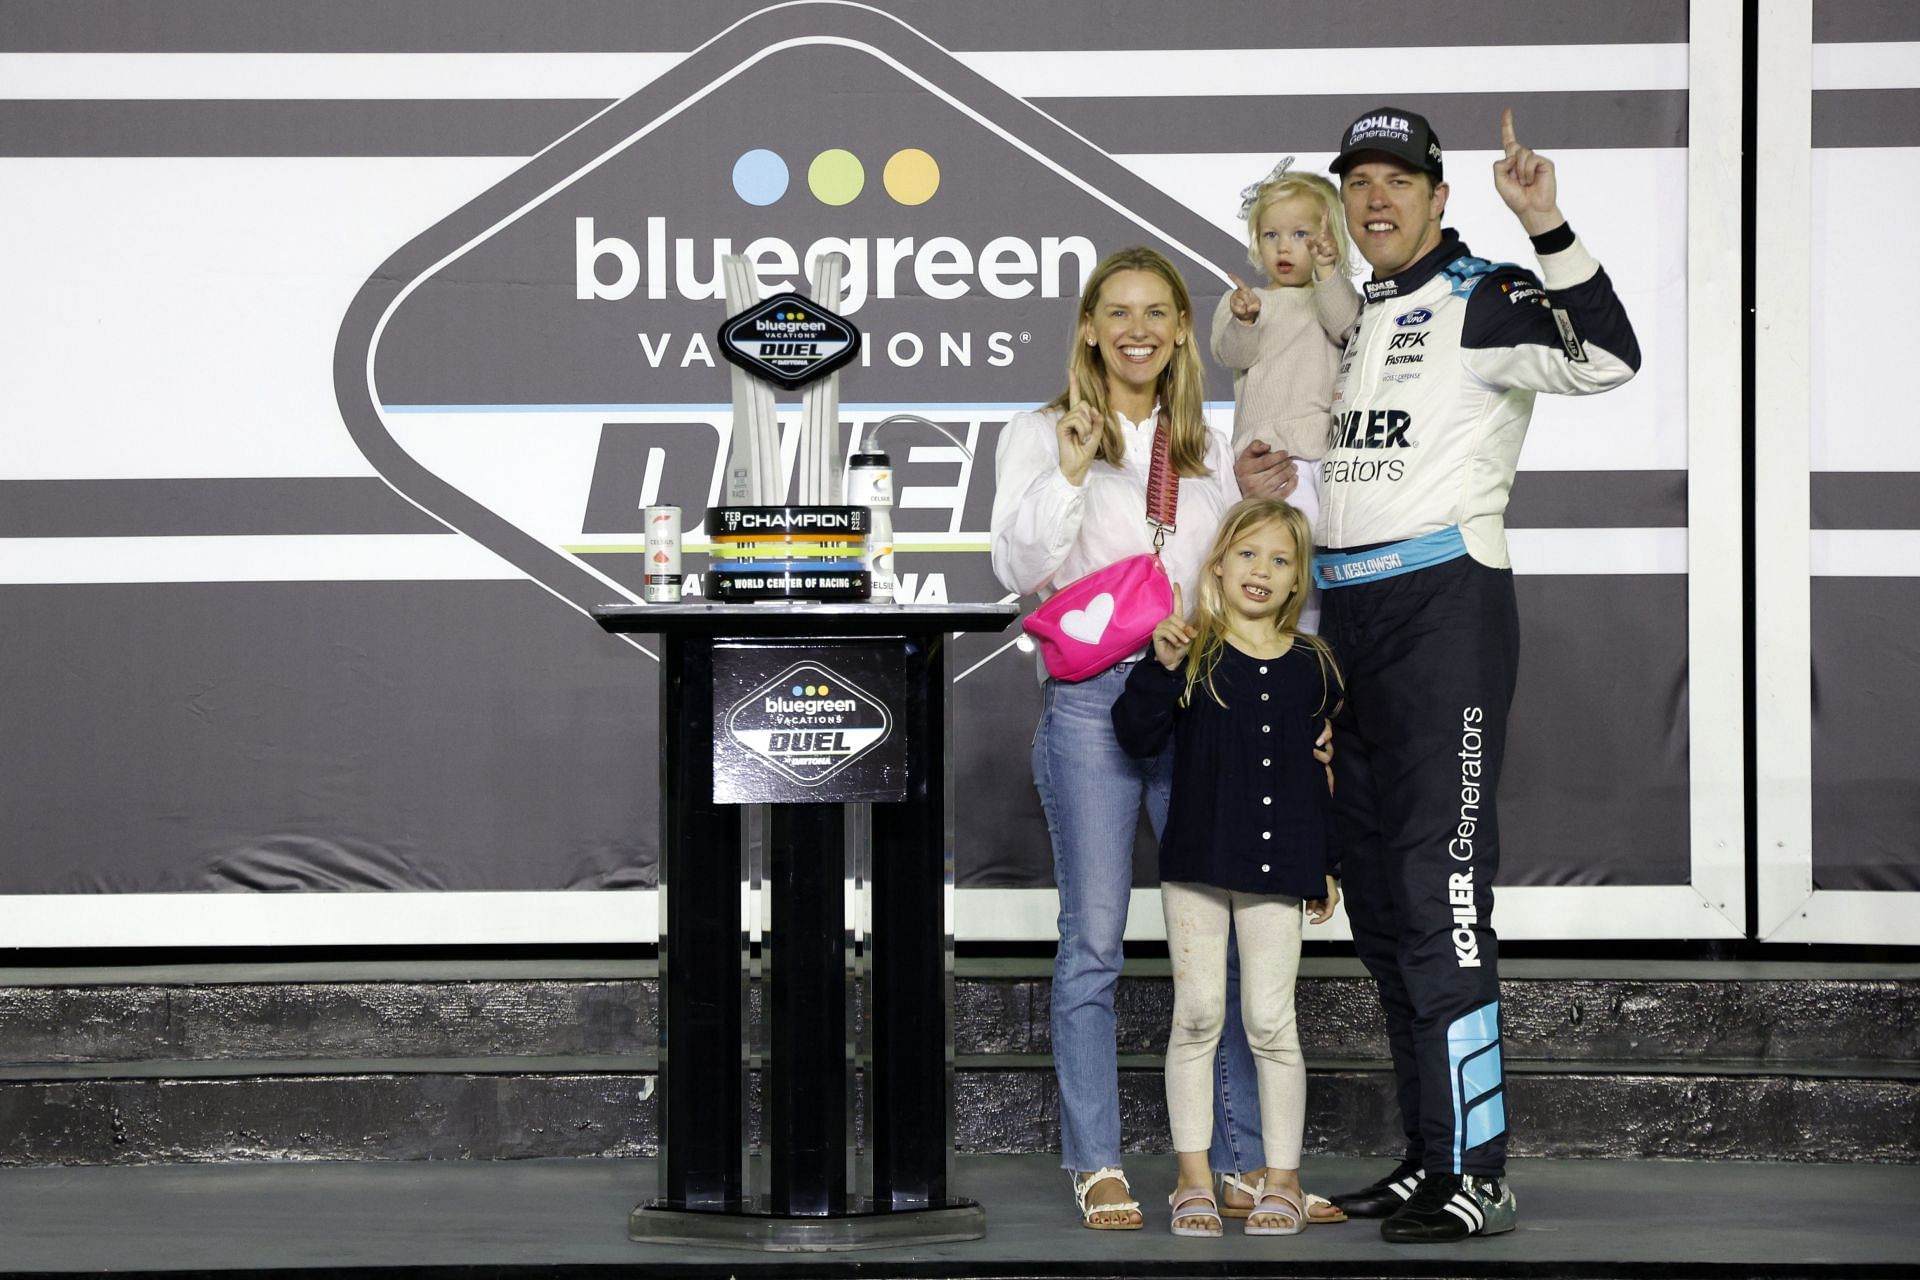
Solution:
(764, 549)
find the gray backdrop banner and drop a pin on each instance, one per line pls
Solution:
(1866, 661)
(530, 363)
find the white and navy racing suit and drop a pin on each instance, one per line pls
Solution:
(1429, 411)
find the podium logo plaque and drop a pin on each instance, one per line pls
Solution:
(808, 734)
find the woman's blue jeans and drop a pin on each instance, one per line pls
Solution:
(1092, 792)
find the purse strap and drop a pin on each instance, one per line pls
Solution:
(1163, 484)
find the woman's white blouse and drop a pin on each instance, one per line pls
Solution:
(1047, 532)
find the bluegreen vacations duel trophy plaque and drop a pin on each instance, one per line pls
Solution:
(764, 549)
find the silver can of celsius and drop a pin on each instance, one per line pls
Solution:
(662, 550)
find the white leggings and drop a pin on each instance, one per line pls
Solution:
(1268, 928)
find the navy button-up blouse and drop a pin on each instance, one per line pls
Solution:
(1250, 808)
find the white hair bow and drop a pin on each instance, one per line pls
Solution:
(1250, 194)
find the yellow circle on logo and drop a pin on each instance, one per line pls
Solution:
(911, 176)
(823, 691)
(835, 177)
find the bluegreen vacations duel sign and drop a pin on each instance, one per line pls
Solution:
(547, 360)
(822, 729)
(789, 340)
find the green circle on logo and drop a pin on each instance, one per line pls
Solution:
(835, 177)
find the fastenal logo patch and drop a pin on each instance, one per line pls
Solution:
(809, 723)
(541, 365)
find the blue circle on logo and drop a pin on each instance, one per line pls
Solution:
(760, 177)
(796, 691)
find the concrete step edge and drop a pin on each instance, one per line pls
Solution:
(966, 969)
(645, 1064)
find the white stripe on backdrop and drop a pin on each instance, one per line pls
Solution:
(448, 557)
(1891, 64)
(1103, 73)
(627, 916)
(333, 557)
(1865, 553)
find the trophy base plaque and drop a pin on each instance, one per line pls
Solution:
(788, 553)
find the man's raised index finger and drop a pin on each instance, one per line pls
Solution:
(1508, 142)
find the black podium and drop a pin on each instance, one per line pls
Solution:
(805, 752)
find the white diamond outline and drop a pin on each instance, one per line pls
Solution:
(886, 720)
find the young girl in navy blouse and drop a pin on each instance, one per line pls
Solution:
(1242, 692)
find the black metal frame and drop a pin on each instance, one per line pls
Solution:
(809, 1204)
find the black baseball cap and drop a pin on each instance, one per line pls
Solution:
(1394, 131)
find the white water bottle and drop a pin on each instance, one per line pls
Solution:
(869, 484)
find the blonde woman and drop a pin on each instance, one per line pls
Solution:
(1071, 499)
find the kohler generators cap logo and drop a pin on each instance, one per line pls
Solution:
(789, 340)
(809, 722)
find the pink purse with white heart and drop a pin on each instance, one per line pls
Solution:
(1093, 622)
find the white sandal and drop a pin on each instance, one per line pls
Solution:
(1233, 1181)
(1206, 1207)
(1332, 1215)
(1276, 1204)
(1335, 1214)
(1083, 1185)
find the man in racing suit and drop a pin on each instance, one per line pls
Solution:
(1429, 411)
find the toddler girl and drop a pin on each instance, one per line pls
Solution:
(1284, 342)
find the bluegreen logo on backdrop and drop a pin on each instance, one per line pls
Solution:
(537, 368)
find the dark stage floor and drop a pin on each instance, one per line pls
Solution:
(557, 1217)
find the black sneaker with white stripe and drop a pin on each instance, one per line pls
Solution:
(1449, 1207)
(1388, 1195)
